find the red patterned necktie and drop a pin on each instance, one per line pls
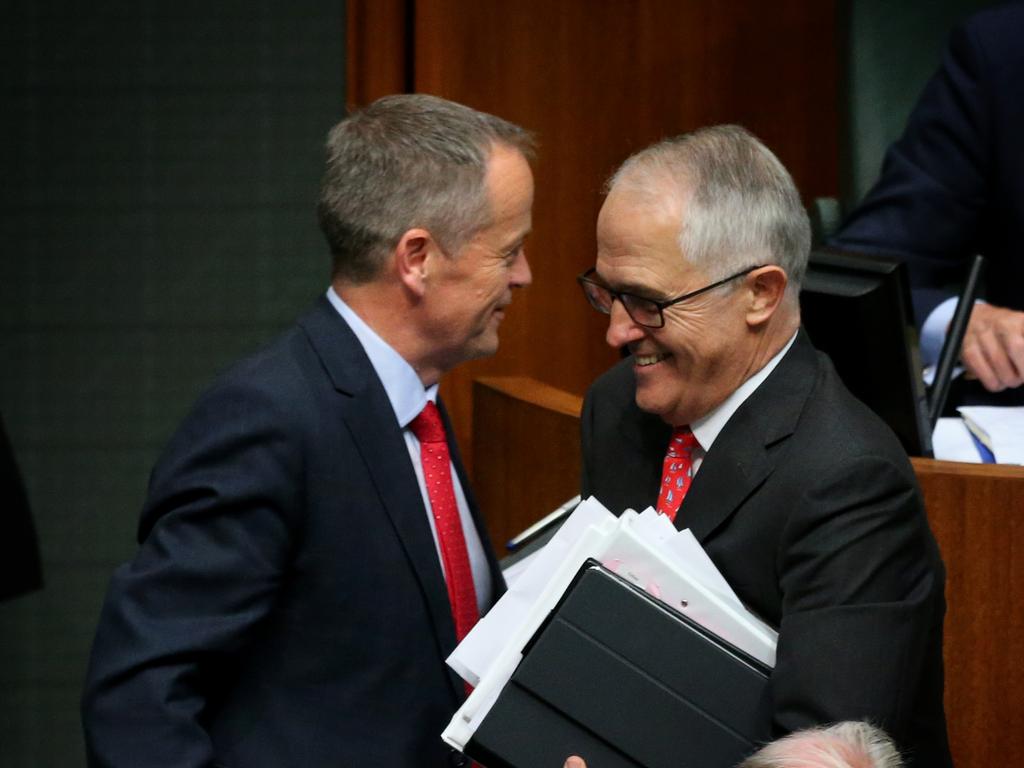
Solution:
(677, 471)
(437, 475)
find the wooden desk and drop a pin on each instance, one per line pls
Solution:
(527, 462)
(977, 514)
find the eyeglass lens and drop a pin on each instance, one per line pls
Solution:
(642, 311)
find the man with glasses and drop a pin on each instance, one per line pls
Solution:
(725, 418)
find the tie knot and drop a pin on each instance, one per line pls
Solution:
(427, 425)
(682, 441)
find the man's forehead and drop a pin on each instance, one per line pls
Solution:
(646, 273)
(638, 230)
(654, 200)
(632, 218)
(652, 187)
(630, 224)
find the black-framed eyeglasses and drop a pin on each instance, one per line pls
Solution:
(646, 312)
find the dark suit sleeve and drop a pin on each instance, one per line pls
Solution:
(215, 540)
(931, 200)
(862, 593)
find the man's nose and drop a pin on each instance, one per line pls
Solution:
(520, 276)
(621, 328)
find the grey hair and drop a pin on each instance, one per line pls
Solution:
(741, 205)
(406, 161)
(850, 744)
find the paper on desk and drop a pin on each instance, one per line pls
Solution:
(952, 442)
(1003, 428)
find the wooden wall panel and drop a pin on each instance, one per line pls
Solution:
(516, 484)
(377, 49)
(975, 511)
(976, 514)
(597, 80)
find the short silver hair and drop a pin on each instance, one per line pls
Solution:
(850, 744)
(406, 161)
(742, 207)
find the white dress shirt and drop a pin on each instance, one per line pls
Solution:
(933, 331)
(408, 397)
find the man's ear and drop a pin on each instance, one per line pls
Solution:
(767, 286)
(412, 259)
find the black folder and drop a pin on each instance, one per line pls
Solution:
(622, 679)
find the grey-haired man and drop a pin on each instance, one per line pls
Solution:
(800, 495)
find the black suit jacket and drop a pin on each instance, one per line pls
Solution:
(953, 185)
(286, 606)
(809, 507)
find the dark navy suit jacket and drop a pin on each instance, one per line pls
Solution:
(953, 185)
(286, 606)
(808, 506)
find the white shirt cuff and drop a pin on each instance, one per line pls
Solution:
(933, 332)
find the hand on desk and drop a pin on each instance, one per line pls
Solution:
(993, 348)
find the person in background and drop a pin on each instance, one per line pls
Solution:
(953, 186)
(310, 551)
(850, 744)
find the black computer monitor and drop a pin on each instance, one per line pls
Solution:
(856, 309)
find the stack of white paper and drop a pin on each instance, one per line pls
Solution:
(643, 548)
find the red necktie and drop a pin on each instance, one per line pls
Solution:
(677, 471)
(437, 474)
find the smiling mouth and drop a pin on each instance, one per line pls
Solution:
(642, 361)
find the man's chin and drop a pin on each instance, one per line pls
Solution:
(484, 346)
(657, 402)
(650, 402)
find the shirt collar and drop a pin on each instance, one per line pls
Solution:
(707, 428)
(404, 389)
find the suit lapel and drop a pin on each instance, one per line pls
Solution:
(399, 493)
(741, 458)
(730, 472)
(369, 418)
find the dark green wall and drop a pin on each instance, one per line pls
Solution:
(160, 166)
(893, 48)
